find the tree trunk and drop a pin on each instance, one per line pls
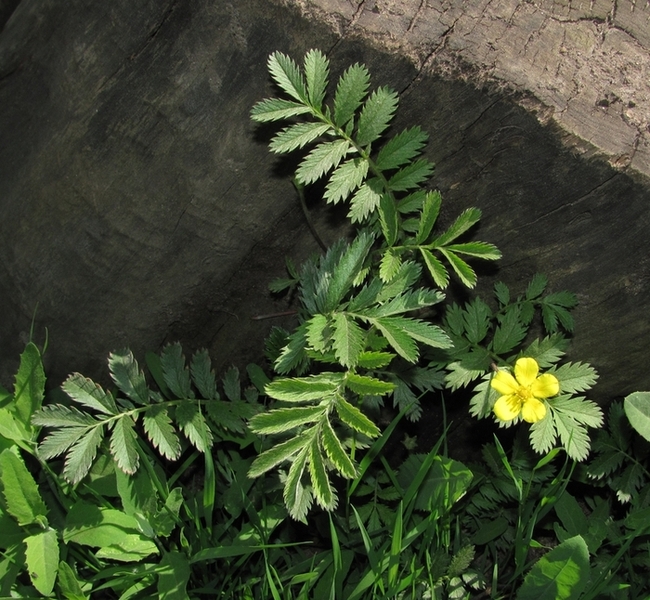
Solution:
(140, 205)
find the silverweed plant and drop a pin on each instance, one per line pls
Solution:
(175, 484)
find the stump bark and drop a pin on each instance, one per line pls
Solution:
(141, 206)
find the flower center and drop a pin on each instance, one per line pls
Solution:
(524, 393)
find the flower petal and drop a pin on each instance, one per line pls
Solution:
(506, 408)
(545, 386)
(533, 410)
(526, 370)
(504, 383)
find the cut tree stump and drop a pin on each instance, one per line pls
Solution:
(140, 205)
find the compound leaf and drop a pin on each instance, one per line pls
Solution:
(321, 160)
(277, 454)
(335, 451)
(287, 75)
(280, 420)
(128, 377)
(350, 92)
(323, 492)
(175, 373)
(347, 339)
(296, 136)
(87, 392)
(345, 180)
(203, 375)
(428, 216)
(277, 109)
(81, 456)
(316, 67)
(160, 431)
(375, 116)
(401, 149)
(193, 424)
(353, 417)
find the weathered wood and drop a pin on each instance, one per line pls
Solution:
(141, 206)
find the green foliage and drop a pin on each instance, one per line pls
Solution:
(485, 340)
(78, 433)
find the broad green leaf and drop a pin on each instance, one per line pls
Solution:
(401, 149)
(176, 374)
(365, 201)
(192, 423)
(350, 92)
(68, 583)
(297, 498)
(321, 160)
(347, 269)
(389, 265)
(345, 180)
(29, 386)
(203, 375)
(479, 249)
(128, 377)
(280, 420)
(428, 216)
(335, 451)
(465, 273)
(575, 377)
(304, 389)
(297, 136)
(124, 442)
(87, 392)
(316, 73)
(108, 529)
(323, 492)
(278, 454)
(12, 534)
(411, 176)
(160, 431)
(637, 410)
(353, 417)
(173, 576)
(287, 75)
(400, 341)
(368, 386)
(11, 429)
(347, 339)
(42, 559)
(467, 219)
(376, 114)
(81, 456)
(389, 219)
(561, 574)
(20, 491)
(436, 269)
(277, 109)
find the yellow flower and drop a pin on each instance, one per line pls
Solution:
(523, 393)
